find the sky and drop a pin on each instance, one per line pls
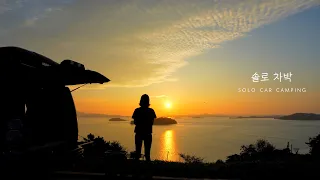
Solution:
(193, 55)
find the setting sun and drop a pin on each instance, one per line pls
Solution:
(168, 105)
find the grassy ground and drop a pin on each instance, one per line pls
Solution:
(260, 160)
(243, 170)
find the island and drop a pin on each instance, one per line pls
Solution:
(300, 116)
(248, 117)
(196, 117)
(117, 119)
(162, 121)
(93, 115)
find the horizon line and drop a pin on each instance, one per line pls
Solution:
(194, 115)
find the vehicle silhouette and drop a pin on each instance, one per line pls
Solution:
(38, 119)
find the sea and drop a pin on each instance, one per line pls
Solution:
(210, 138)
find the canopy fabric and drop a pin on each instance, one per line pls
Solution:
(16, 55)
(84, 77)
(18, 63)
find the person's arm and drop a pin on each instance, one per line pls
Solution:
(154, 116)
(134, 117)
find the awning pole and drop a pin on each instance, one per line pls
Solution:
(78, 87)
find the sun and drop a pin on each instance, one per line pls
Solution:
(168, 105)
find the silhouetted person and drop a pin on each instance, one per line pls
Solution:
(143, 119)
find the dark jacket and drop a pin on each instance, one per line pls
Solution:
(143, 119)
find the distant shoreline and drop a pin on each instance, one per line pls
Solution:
(162, 121)
(251, 117)
(301, 117)
(117, 119)
(295, 116)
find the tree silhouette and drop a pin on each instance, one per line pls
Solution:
(99, 146)
(262, 150)
(191, 159)
(314, 144)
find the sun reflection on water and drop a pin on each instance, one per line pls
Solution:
(168, 146)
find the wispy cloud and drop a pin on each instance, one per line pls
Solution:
(159, 96)
(29, 12)
(8, 5)
(209, 27)
(4, 6)
(213, 23)
(143, 42)
(42, 15)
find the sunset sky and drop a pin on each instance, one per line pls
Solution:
(193, 55)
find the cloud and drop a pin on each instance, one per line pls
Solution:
(208, 28)
(28, 12)
(143, 42)
(31, 21)
(4, 7)
(159, 96)
(9, 5)
(42, 15)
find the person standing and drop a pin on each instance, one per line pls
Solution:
(143, 119)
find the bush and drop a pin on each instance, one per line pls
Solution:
(99, 146)
(262, 150)
(191, 159)
(314, 144)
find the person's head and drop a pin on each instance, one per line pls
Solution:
(144, 101)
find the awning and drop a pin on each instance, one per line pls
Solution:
(21, 63)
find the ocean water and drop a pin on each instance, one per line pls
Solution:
(211, 138)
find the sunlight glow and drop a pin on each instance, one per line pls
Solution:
(168, 105)
(168, 148)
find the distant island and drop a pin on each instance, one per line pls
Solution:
(196, 117)
(93, 115)
(300, 116)
(117, 119)
(267, 116)
(162, 121)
